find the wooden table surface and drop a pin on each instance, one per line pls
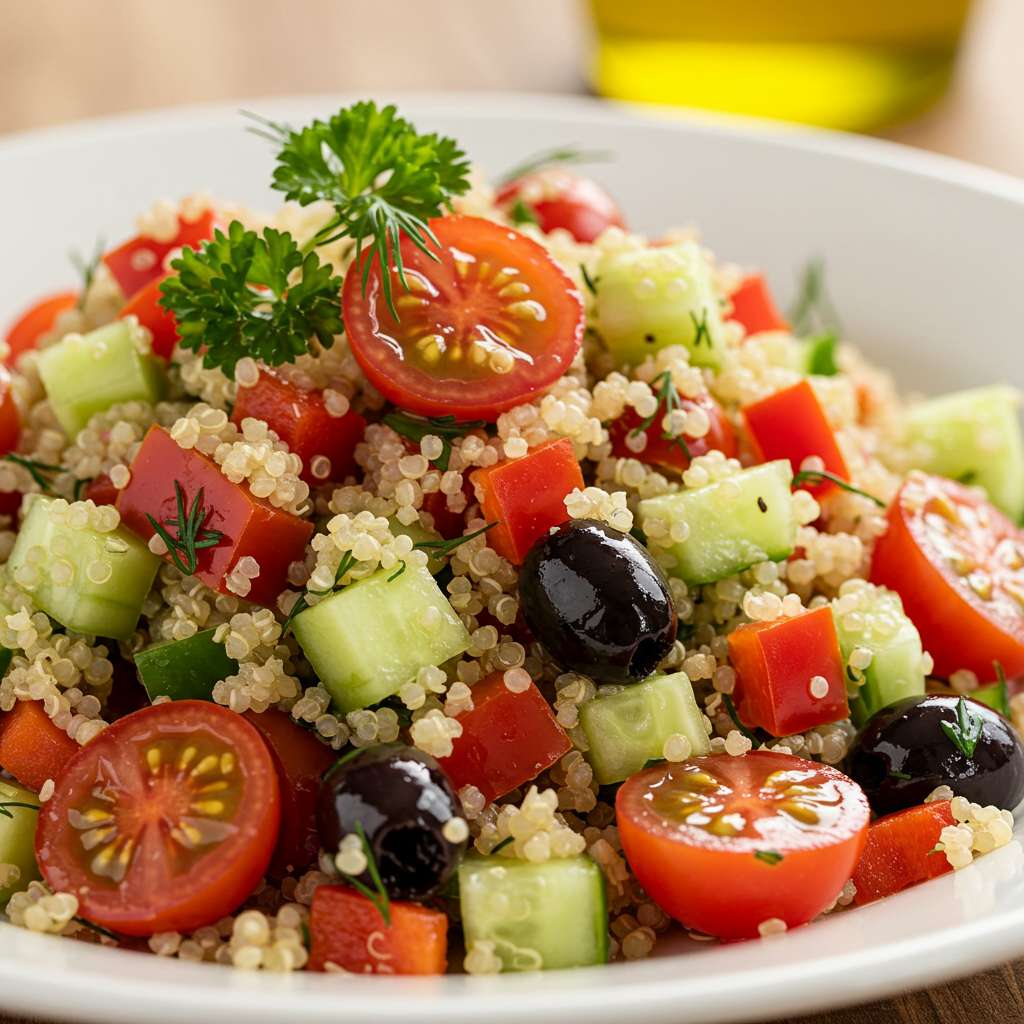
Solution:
(61, 60)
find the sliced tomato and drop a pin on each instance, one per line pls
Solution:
(32, 748)
(556, 198)
(958, 564)
(485, 326)
(145, 306)
(36, 321)
(165, 821)
(724, 843)
(10, 418)
(754, 307)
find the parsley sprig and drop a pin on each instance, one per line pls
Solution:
(377, 895)
(192, 535)
(668, 401)
(415, 428)
(817, 476)
(965, 732)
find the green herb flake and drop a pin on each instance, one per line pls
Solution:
(447, 428)
(522, 214)
(817, 476)
(812, 312)
(444, 548)
(769, 857)
(86, 269)
(375, 893)
(821, 354)
(507, 841)
(41, 472)
(192, 536)
(965, 732)
(730, 709)
(668, 401)
(6, 805)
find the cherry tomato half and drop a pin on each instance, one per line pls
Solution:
(36, 321)
(958, 564)
(724, 843)
(165, 822)
(485, 326)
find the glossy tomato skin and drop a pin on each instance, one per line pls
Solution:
(145, 306)
(32, 748)
(754, 307)
(195, 853)
(557, 198)
(461, 315)
(36, 321)
(727, 885)
(935, 528)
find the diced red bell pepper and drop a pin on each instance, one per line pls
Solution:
(300, 418)
(507, 739)
(10, 418)
(754, 307)
(791, 424)
(32, 748)
(300, 759)
(160, 322)
(526, 496)
(900, 851)
(101, 490)
(347, 930)
(775, 663)
(249, 525)
(139, 260)
(36, 321)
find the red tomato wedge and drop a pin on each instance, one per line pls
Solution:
(32, 748)
(10, 418)
(754, 307)
(485, 326)
(36, 321)
(958, 564)
(556, 198)
(145, 306)
(165, 822)
(724, 843)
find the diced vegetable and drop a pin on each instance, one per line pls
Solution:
(368, 639)
(754, 307)
(347, 930)
(995, 696)
(90, 582)
(10, 418)
(32, 748)
(144, 306)
(507, 739)
(37, 320)
(88, 373)
(648, 299)
(526, 496)
(733, 524)
(184, 669)
(789, 672)
(625, 730)
(975, 437)
(17, 837)
(419, 534)
(539, 916)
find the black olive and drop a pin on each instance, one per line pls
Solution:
(598, 602)
(403, 800)
(904, 752)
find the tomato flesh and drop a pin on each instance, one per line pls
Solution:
(10, 418)
(164, 822)
(724, 843)
(36, 321)
(32, 748)
(958, 564)
(484, 327)
(754, 307)
(145, 306)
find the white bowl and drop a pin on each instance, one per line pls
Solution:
(925, 263)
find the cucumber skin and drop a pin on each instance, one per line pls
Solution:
(649, 712)
(17, 838)
(550, 890)
(728, 535)
(184, 669)
(365, 642)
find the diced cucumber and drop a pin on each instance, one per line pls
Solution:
(418, 533)
(87, 373)
(974, 436)
(539, 916)
(626, 730)
(369, 639)
(735, 523)
(17, 837)
(185, 669)
(648, 299)
(48, 545)
(879, 624)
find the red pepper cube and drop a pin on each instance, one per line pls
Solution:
(300, 418)
(791, 424)
(754, 307)
(10, 419)
(526, 496)
(777, 666)
(507, 739)
(145, 306)
(32, 748)
(250, 526)
(347, 930)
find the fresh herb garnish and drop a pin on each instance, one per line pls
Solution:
(968, 476)
(668, 401)
(817, 476)
(347, 561)
(522, 214)
(590, 282)
(443, 548)
(821, 354)
(398, 572)
(700, 326)
(812, 311)
(80, 486)
(99, 929)
(192, 535)
(768, 857)
(1002, 690)
(730, 709)
(377, 895)
(253, 295)
(415, 428)
(901, 776)
(966, 730)
(6, 805)
(87, 269)
(39, 471)
(501, 846)
(554, 158)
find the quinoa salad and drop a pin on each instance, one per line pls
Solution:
(433, 574)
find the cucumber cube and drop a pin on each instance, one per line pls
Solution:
(626, 730)
(735, 523)
(539, 916)
(87, 373)
(91, 582)
(17, 837)
(366, 641)
(185, 669)
(418, 533)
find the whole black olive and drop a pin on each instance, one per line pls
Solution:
(598, 602)
(402, 800)
(916, 744)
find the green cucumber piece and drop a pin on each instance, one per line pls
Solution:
(626, 730)
(418, 533)
(88, 373)
(110, 608)
(648, 299)
(880, 624)
(369, 639)
(185, 669)
(734, 523)
(973, 436)
(539, 916)
(17, 837)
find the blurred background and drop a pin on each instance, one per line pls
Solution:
(946, 75)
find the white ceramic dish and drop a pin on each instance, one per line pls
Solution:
(926, 264)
